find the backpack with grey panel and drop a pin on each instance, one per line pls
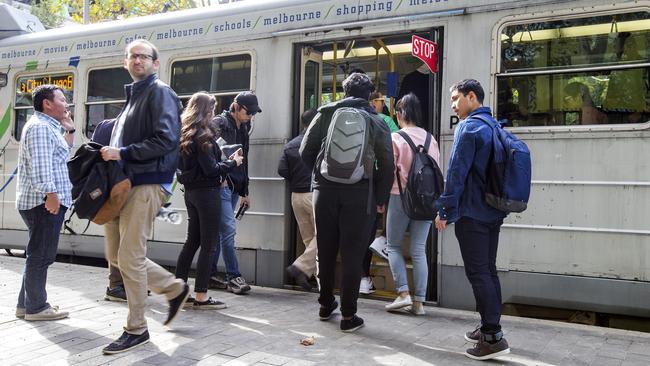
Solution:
(348, 154)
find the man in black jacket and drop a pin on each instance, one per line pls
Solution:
(293, 169)
(344, 212)
(234, 125)
(145, 139)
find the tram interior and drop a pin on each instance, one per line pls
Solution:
(387, 61)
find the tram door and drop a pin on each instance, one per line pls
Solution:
(319, 70)
(311, 74)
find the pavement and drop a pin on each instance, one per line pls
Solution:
(266, 326)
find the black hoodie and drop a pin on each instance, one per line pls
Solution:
(312, 146)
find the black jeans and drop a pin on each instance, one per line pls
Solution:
(342, 224)
(203, 217)
(478, 246)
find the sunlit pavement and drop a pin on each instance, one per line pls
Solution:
(266, 327)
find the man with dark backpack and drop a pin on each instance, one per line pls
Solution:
(477, 223)
(342, 143)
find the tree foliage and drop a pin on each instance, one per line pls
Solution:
(53, 13)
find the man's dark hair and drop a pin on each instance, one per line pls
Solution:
(306, 117)
(154, 49)
(469, 85)
(358, 85)
(41, 93)
(410, 109)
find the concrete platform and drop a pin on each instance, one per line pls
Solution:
(266, 326)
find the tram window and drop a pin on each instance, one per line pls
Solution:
(579, 71)
(25, 86)
(105, 97)
(224, 74)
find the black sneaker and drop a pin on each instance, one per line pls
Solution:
(350, 325)
(483, 350)
(299, 276)
(325, 312)
(473, 336)
(177, 303)
(115, 294)
(217, 283)
(209, 304)
(238, 286)
(126, 342)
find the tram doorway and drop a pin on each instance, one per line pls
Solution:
(319, 70)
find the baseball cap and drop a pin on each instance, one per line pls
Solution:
(249, 101)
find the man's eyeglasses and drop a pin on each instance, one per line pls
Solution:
(378, 100)
(247, 111)
(141, 56)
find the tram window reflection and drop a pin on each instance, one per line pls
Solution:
(606, 79)
(105, 97)
(23, 106)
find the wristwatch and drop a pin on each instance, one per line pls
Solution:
(70, 132)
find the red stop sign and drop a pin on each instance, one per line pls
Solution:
(426, 51)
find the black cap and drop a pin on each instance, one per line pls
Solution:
(249, 101)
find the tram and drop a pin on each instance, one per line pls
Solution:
(571, 78)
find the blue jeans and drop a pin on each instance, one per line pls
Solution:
(44, 229)
(479, 242)
(227, 228)
(396, 224)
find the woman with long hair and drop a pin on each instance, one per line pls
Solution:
(409, 117)
(201, 171)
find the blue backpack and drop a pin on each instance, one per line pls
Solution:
(509, 170)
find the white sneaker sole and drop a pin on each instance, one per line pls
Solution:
(353, 329)
(470, 340)
(490, 356)
(394, 306)
(113, 298)
(37, 317)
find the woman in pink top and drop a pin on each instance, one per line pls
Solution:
(409, 115)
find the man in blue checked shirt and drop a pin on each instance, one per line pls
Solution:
(43, 194)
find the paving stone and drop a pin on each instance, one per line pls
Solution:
(265, 328)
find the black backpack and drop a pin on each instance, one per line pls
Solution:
(99, 188)
(424, 184)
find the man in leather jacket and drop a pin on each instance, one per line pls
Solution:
(145, 139)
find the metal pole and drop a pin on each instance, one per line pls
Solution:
(86, 11)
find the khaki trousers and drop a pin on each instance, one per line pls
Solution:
(303, 209)
(126, 248)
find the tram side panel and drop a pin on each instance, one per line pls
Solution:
(581, 244)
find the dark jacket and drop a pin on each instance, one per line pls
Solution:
(465, 187)
(293, 169)
(238, 176)
(151, 131)
(200, 169)
(311, 149)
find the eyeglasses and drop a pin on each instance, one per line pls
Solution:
(378, 100)
(141, 56)
(397, 110)
(248, 112)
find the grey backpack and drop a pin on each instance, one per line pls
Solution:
(348, 153)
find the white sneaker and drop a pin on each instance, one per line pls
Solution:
(415, 310)
(366, 286)
(51, 313)
(379, 247)
(400, 302)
